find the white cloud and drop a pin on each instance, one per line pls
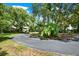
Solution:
(28, 12)
(25, 8)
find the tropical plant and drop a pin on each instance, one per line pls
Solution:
(50, 30)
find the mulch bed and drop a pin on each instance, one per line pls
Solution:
(61, 36)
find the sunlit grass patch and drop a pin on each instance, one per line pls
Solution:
(14, 49)
(7, 34)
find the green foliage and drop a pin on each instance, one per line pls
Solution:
(5, 18)
(50, 30)
(62, 14)
(17, 17)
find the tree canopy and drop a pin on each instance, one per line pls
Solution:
(62, 14)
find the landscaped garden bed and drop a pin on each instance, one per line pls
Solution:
(65, 37)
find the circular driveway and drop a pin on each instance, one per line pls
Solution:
(68, 48)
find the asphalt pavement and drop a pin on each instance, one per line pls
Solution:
(67, 48)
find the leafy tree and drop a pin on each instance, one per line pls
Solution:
(10, 16)
(5, 18)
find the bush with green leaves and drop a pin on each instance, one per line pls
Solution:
(50, 30)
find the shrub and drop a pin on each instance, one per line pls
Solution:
(50, 30)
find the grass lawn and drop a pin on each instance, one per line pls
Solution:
(11, 48)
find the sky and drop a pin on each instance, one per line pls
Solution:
(26, 6)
